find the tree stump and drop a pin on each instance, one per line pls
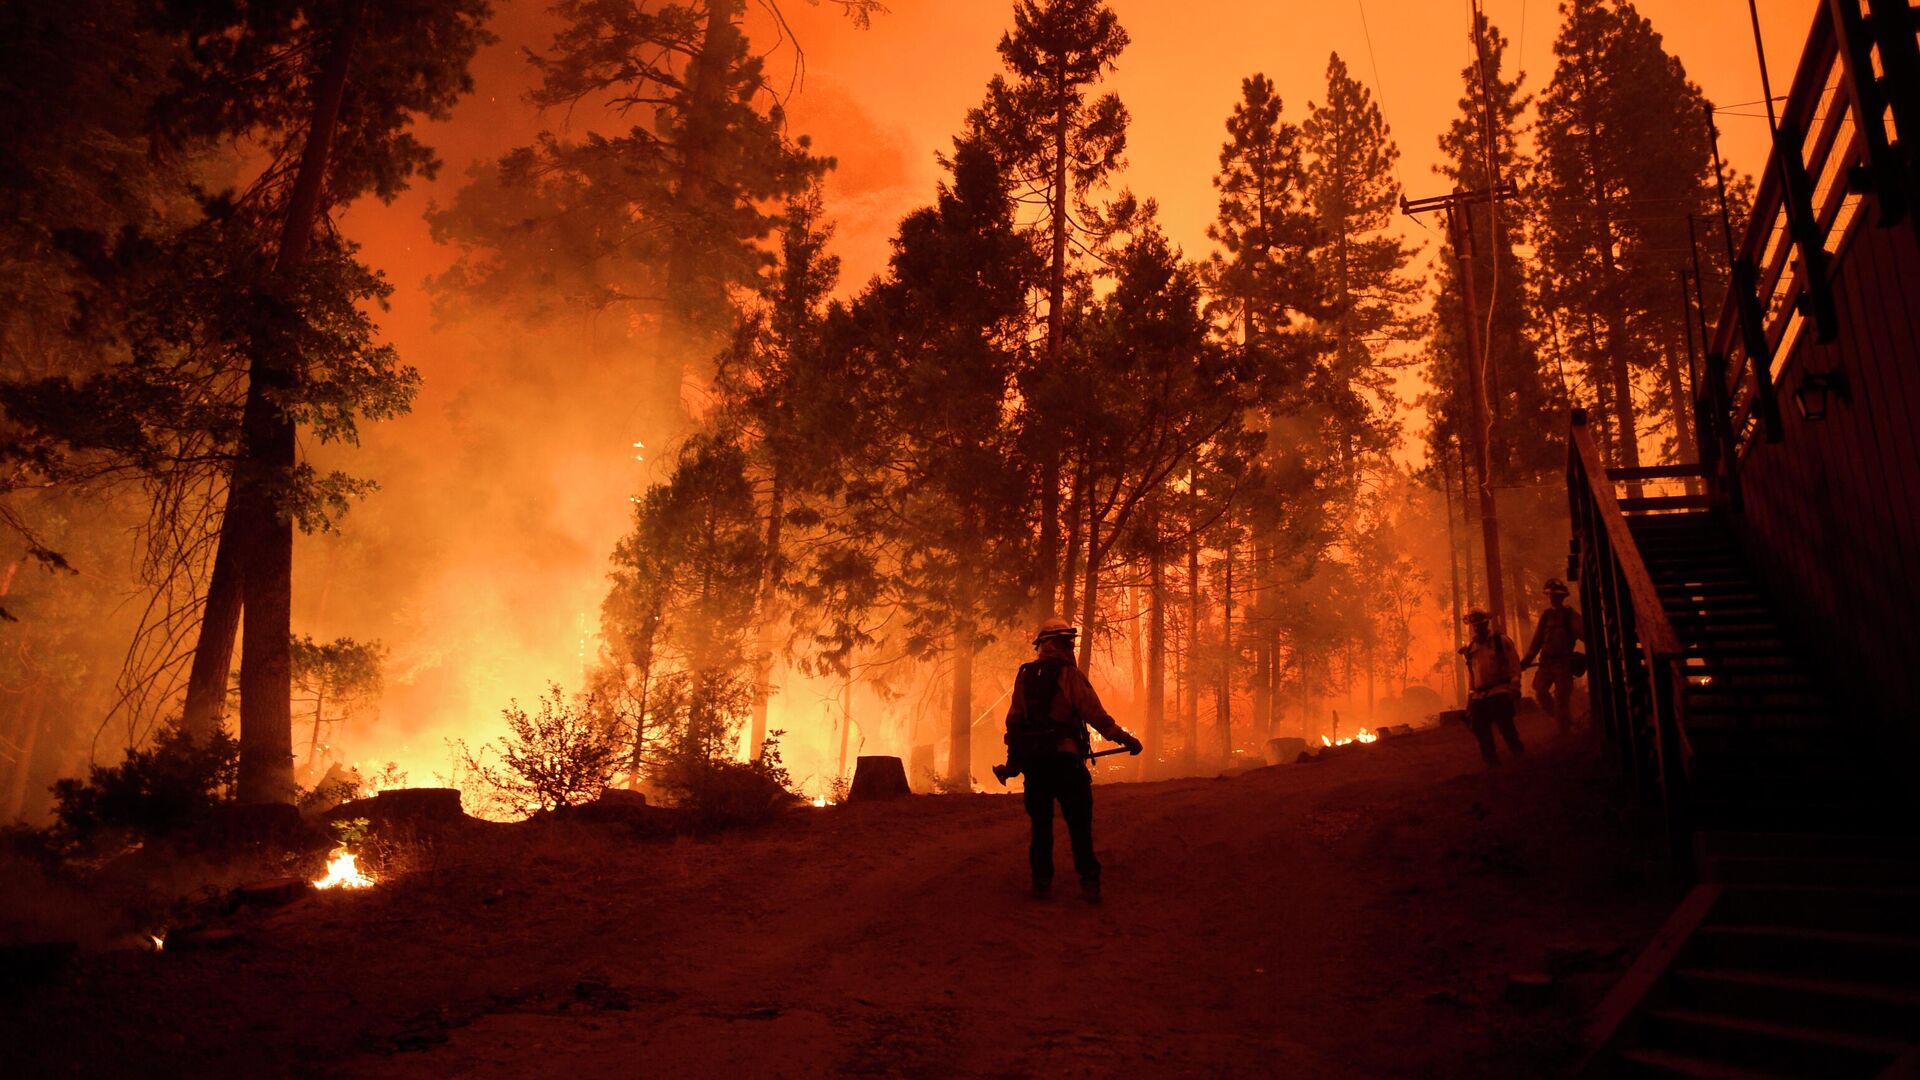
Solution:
(1282, 751)
(876, 777)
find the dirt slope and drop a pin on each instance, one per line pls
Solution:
(1353, 918)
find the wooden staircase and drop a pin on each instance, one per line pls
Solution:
(1798, 954)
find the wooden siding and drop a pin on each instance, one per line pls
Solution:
(1832, 511)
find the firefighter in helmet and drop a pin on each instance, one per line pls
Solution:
(1493, 676)
(1553, 640)
(1047, 740)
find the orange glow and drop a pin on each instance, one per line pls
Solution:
(343, 872)
(486, 550)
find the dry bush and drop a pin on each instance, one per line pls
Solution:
(562, 755)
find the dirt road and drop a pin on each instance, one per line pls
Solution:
(1357, 918)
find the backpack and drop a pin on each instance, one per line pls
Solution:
(1042, 732)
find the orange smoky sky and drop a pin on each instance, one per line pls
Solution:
(482, 562)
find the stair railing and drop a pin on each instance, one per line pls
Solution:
(1635, 674)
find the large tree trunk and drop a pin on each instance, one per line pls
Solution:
(1156, 635)
(1223, 686)
(960, 720)
(263, 531)
(681, 339)
(767, 618)
(206, 704)
(1193, 650)
(1056, 320)
(1070, 571)
(1678, 403)
(846, 721)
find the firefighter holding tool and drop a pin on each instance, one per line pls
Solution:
(1048, 742)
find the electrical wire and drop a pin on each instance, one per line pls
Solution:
(1379, 87)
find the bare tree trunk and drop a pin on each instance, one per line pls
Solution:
(263, 529)
(703, 128)
(1070, 571)
(766, 616)
(846, 720)
(1090, 600)
(1223, 688)
(960, 720)
(1677, 403)
(1156, 635)
(1453, 583)
(1135, 666)
(1056, 320)
(206, 703)
(1193, 650)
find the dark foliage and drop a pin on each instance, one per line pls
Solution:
(153, 791)
(713, 794)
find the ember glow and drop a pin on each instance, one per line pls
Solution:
(1364, 736)
(343, 872)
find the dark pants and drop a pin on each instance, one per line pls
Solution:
(1062, 777)
(1494, 711)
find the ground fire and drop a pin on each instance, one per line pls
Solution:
(1104, 537)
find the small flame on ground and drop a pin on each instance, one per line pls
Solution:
(159, 943)
(343, 872)
(820, 800)
(1364, 736)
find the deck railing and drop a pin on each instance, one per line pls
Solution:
(1635, 659)
(1858, 83)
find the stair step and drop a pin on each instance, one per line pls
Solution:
(1666, 1063)
(1763, 1044)
(1803, 844)
(1641, 503)
(1892, 959)
(1741, 587)
(1750, 661)
(1821, 907)
(1828, 1004)
(1734, 715)
(1884, 873)
(1748, 695)
(1749, 810)
(1789, 743)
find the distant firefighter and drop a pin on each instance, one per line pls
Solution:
(1493, 671)
(1047, 740)
(1553, 641)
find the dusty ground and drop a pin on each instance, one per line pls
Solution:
(1357, 917)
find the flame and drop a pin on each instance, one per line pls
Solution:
(159, 943)
(820, 800)
(343, 872)
(1364, 736)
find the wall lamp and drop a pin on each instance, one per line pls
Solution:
(1817, 390)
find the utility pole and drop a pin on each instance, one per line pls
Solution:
(1459, 235)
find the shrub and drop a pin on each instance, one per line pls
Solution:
(153, 791)
(565, 754)
(716, 794)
